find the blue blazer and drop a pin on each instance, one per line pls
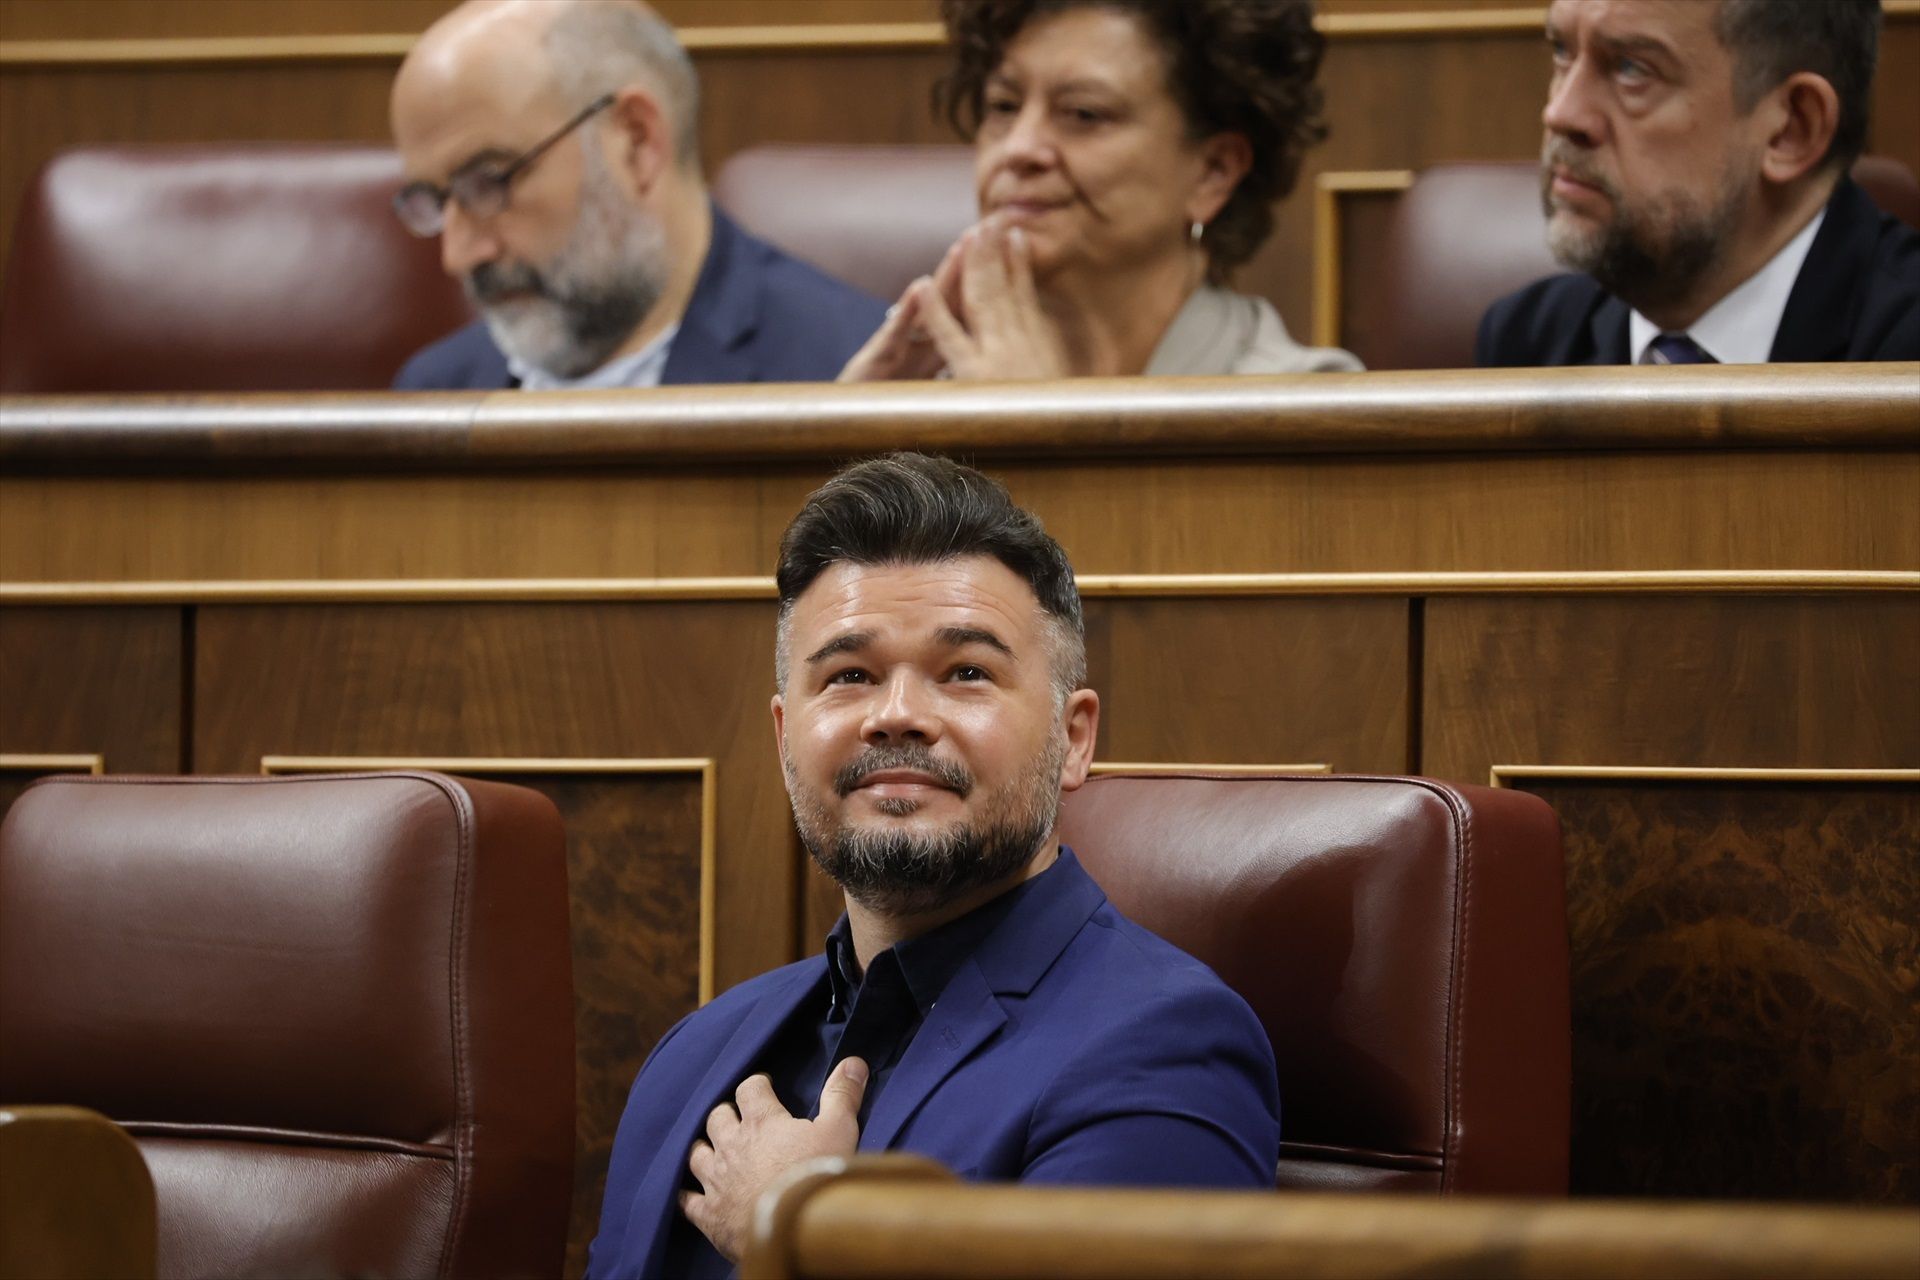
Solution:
(756, 315)
(1072, 1047)
(1857, 297)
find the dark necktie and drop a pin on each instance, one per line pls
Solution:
(1675, 348)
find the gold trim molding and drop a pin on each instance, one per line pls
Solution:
(1482, 20)
(1328, 191)
(53, 763)
(1093, 586)
(1504, 775)
(565, 766)
(1106, 768)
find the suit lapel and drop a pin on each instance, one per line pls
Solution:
(714, 342)
(965, 1017)
(1607, 331)
(969, 1011)
(729, 1067)
(1820, 314)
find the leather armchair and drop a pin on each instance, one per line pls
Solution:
(874, 216)
(1405, 943)
(334, 1012)
(218, 268)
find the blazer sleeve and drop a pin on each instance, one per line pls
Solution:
(1181, 1092)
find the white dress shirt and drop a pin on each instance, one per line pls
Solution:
(1740, 328)
(641, 369)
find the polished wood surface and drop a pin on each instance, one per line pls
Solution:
(1409, 83)
(76, 1201)
(892, 1216)
(1743, 995)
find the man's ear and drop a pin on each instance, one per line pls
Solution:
(780, 725)
(1803, 113)
(1224, 160)
(1081, 719)
(643, 138)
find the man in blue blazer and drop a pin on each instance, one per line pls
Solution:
(553, 148)
(980, 1002)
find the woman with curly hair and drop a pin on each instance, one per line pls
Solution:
(1127, 155)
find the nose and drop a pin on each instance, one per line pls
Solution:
(904, 711)
(1029, 144)
(465, 241)
(1572, 111)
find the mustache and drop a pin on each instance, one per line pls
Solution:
(905, 756)
(1557, 153)
(492, 281)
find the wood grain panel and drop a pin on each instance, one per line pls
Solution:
(1746, 961)
(682, 680)
(633, 871)
(91, 681)
(1714, 681)
(1235, 682)
(1275, 515)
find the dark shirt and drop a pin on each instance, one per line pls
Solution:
(872, 1016)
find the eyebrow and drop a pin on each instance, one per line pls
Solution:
(1637, 46)
(852, 642)
(959, 637)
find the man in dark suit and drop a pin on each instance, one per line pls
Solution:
(980, 1002)
(1694, 171)
(553, 148)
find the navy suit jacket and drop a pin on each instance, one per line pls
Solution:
(756, 315)
(1073, 1046)
(1857, 297)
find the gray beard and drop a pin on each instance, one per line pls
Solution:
(590, 298)
(1648, 258)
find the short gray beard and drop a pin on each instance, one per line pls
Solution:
(1650, 255)
(590, 298)
(904, 873)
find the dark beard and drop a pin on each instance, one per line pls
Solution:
(905, 873)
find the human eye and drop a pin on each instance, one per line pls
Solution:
(849, 675)
(1632, 71)
(969, 672)
(1083, 115)
(1557, 49)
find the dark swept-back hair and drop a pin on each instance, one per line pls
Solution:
(912, 508)
(1234, 66)
(1838, 40)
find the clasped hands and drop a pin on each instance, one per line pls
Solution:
(752, 1140)
(977, 316)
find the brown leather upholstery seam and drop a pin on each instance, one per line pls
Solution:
(291, 1137)
(1463, 862)
(462, 805)
(1361, 1158)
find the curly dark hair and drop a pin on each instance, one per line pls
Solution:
(1234, 66)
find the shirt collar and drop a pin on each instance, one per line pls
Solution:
(929, 961)
(641, 369)
(1740, 328)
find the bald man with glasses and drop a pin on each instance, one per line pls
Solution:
(553, 147)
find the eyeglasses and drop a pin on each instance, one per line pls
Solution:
(482, 189)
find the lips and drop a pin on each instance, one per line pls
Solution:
(903, 767)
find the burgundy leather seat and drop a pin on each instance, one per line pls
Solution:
(1404, 942)
(1465, 235)
(218, 268)
(335, 1012)
(874, 216)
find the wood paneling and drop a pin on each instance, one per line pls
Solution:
(91, 682)
(633, 872)
(1394, 102)
(1279, 515)
(628, 681)
(1744, 984)
(1723, 682)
